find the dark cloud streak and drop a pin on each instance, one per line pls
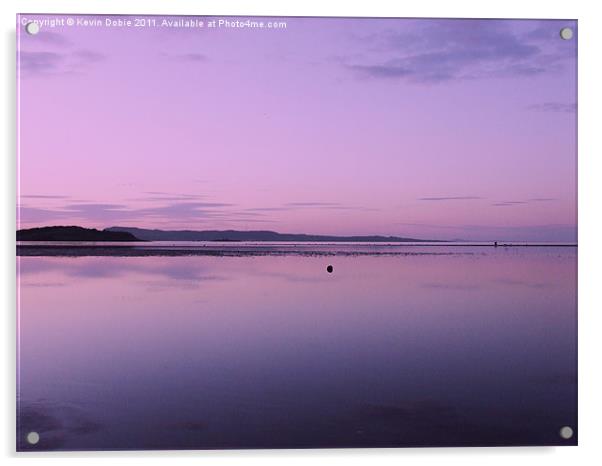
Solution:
(48, 63)
(555, 107)
(450, 198)
(445, 50)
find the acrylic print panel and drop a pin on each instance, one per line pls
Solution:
(296, 232)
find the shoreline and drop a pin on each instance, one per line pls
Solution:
(268, 249)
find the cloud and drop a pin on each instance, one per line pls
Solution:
(495, 204)
(508, 203)
(327, 206)
(183, 210)
(450, 198)
(48, 63)
(42, 196)
(71, 213)
(173, 210)
(442, 50)
(313, 204)
(523, 202)
(164, 196)
(310, 205)
(388, 70)
(556, 107)
(189, 212)
(161, 208)
(191, 57)
(269, 209)
(547, 30)
(88, 56)
(49, 38)
(37, 215)
(430, 225)
(39, 62)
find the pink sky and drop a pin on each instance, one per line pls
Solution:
(438, 129)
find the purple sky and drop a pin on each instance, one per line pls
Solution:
(438, 129)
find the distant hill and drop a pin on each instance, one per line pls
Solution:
(72, 233)
(260, 235)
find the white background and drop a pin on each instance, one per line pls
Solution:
(590, 234)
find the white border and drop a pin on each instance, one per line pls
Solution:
(590, 234)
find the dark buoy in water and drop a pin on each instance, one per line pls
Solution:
(329, 269)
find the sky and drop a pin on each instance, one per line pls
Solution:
(423, 128)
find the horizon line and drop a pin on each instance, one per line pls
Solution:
(393, 237)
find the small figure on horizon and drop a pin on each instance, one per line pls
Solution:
(495, 244)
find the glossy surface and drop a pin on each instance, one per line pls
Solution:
(447, 346)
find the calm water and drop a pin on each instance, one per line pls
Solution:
(440, 346)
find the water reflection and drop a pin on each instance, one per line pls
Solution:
(272, 351)
(55, 423)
